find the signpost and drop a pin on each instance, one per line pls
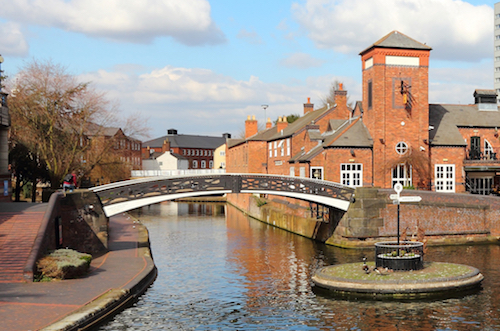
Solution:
(397, 199)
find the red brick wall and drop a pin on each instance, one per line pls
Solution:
(444, 213)
(446, 218)
(489, 134)
(336, 156)
(237, 159)
(449, 155)
(387, 120)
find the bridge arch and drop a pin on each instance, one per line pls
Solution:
(131, 194)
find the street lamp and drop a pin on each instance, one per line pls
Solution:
(264, 107)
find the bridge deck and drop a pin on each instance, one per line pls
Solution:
(122, 196)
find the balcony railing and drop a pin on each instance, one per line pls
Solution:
(478, 155)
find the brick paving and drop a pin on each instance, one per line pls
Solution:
(31, 306)
(19, 224)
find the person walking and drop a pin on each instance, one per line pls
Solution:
(69, 182)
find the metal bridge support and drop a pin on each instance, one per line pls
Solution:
(325, 229)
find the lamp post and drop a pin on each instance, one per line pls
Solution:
(265, 107)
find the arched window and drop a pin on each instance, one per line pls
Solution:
(488, 150)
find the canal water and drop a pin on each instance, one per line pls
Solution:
(219, 270)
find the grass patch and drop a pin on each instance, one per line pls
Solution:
(63, 264)
(431, 271)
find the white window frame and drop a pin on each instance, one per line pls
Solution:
(203, 164)
(292, 171)
(302, 172)
(275, 149)
(444, 177)
(281, 145)
(195, 164)
(314, 170)
(270, 149)
(399, 175)
(288, 146)
(488, 149)
(351, 174)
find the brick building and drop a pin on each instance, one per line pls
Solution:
(392, 136)
(119, 148)
(198, 150)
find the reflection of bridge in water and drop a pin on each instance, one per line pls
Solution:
(131, 194)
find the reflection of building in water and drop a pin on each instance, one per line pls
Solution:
(264, 252)
(171, 208)
(214, 209)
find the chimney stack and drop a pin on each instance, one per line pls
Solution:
(251, 127)
(308, 107)
(166, 146)
(269, 124)
(340, 99)
(282, 123)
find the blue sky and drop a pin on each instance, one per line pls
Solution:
(202, 66)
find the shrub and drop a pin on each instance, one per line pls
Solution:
(63, 264)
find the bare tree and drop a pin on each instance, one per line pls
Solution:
(329, 99)
(52, 114)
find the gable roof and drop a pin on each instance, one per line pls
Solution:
(187, 141)
(445, 121)
(355, 136)
(94, 129)
(272, 133)
(396, 39)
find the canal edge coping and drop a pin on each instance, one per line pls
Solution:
(114, 300)
(354, 287)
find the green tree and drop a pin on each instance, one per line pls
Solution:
(289, 118)
(27, 168)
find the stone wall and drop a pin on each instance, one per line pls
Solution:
(446, 218)
(84, 223)
(288, 214)
(74, 220)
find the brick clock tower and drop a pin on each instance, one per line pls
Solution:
(396, 109)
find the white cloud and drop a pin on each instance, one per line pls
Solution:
(457, 85)
(13, 41)
(250, 36)
(201, 101)
(456, 30)
(301, 61)
(187, 21)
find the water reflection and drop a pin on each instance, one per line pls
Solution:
(219, 270)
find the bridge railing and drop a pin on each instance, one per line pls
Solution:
(305, 188)
(180, 172)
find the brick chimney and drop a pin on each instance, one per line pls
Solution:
(340, 97)
(166, 146)
(269, 124)
(251, 127)
(281, 124)
(308, 107)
